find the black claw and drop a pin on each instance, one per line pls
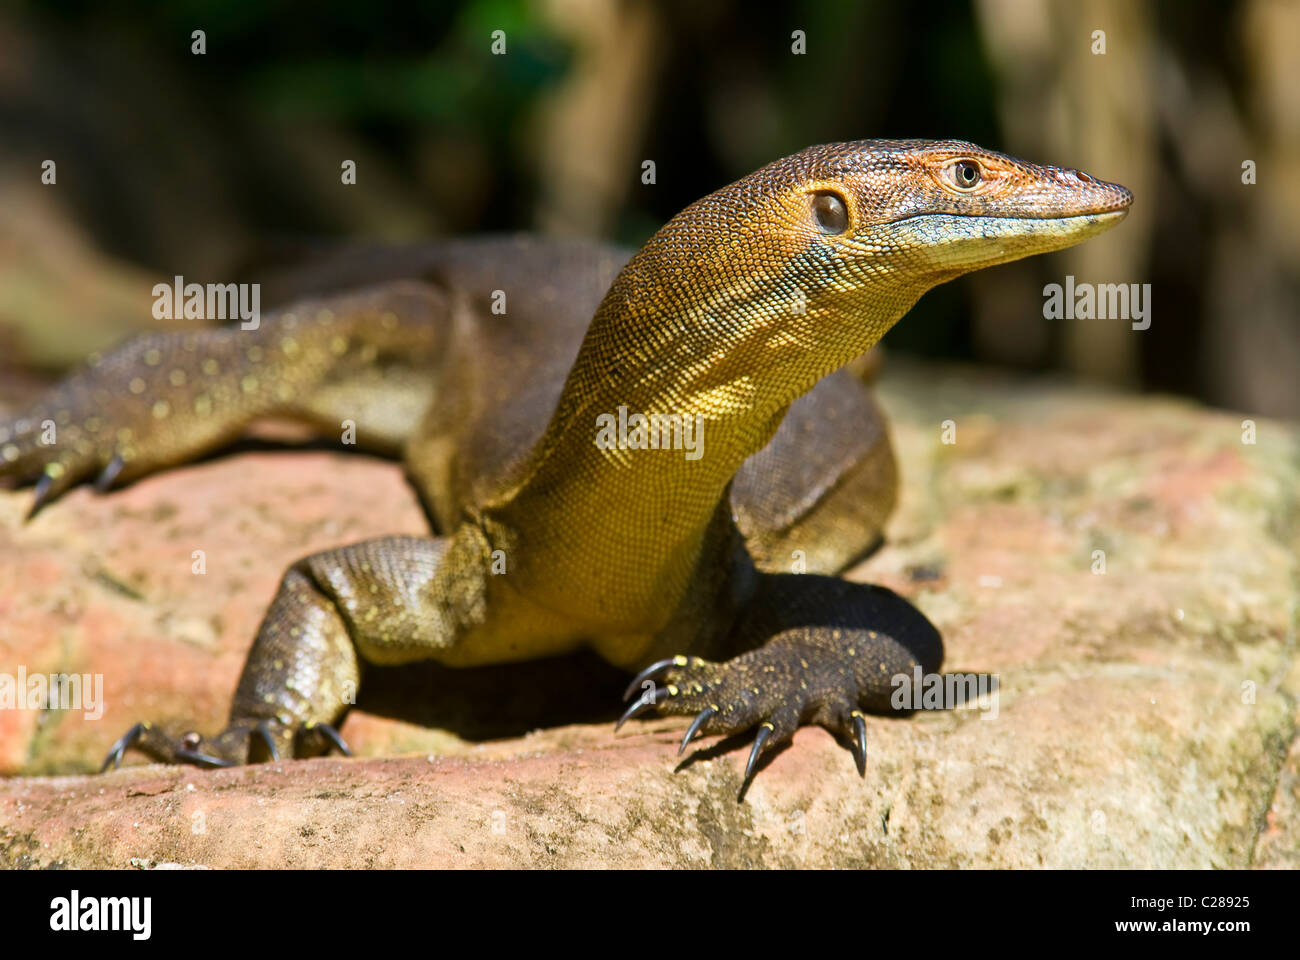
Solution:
(123, 744)
(644, 705)
(202, 759)
(651, 671)
(105, 480)
(263, 730)
(333, 737)
(764, 733)
(860, 743)
(701, 718)
(43, 488)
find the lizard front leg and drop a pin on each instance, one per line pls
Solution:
(377, 601)
(165, 399)
(824, 651)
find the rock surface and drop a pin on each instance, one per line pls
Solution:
(1147, 715)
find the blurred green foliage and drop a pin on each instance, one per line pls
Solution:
(174, 161)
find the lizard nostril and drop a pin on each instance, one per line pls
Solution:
(1084, 177)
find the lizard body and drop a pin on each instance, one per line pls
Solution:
(737, 316)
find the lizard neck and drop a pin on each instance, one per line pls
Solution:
(685, 372)
(689, 333)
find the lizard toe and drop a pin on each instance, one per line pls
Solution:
(242, 742)
(859, 742)
(157, 744)
(331, 736)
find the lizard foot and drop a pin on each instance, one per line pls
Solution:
(830, 675)
(242, 742)
(747, 692)
(156, 401)
(26, 457)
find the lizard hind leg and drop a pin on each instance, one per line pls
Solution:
(820, 651)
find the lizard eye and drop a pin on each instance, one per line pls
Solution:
(965, 174)
(830, 213)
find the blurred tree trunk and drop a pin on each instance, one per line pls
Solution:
(1062, 103)
(589, 129)
(1252, 351)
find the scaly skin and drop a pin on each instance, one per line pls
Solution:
(738, 308)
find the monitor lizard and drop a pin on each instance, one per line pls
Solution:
(496, 366)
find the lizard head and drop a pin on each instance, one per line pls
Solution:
(851, 224)
(930, 210)
(854, 227)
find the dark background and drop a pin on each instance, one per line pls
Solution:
(216, 166)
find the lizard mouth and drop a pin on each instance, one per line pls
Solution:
(963, 242)
(1110, 214)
